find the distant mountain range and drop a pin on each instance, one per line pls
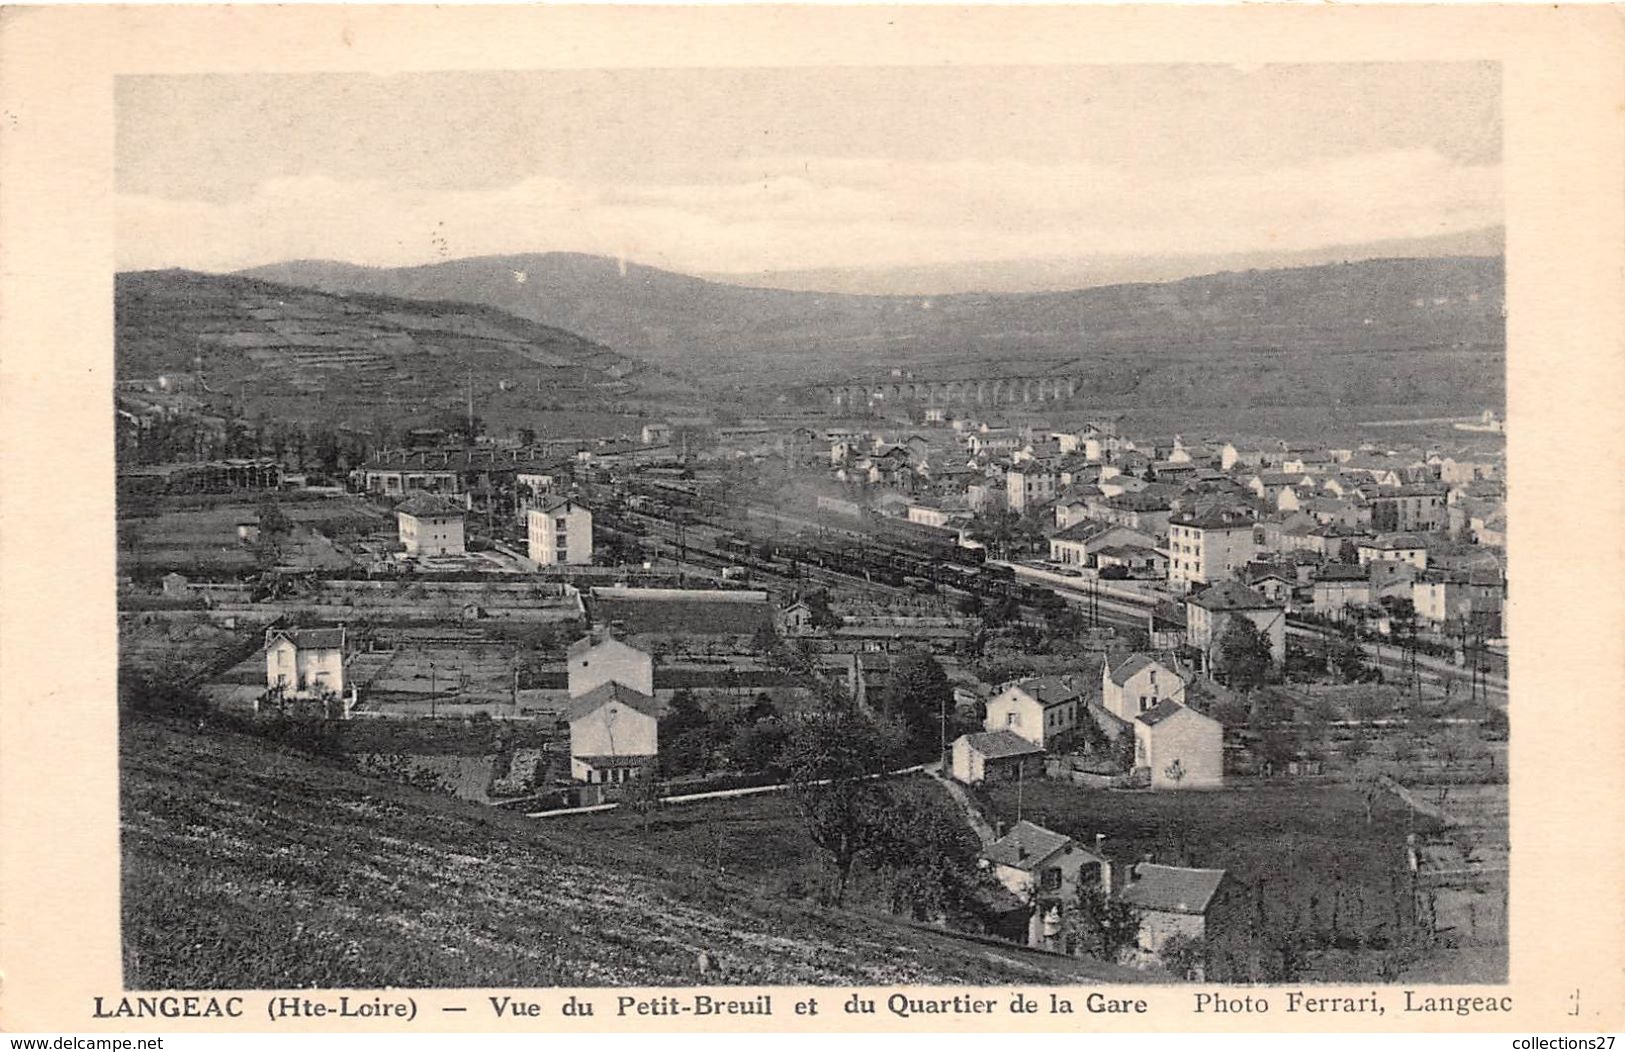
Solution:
(1377, 331)
(1085, 272)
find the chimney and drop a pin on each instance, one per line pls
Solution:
(1100, 844)
(998, 830)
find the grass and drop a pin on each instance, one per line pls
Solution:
(250, 866)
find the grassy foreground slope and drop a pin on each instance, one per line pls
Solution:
(247, 866)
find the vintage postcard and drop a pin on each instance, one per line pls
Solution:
(774, 518)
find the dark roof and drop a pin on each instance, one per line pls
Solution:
(593, 639)
(1000, 745)
(1143, 501)
(604, 693)
(1231, 595)
(1213, 519)
(622, 760)
(1393, 541)
(309, 638)
(556, 502)
(1132, 664)
(1027, 845)
(1049, 690)
(1162, 710)
(1342, 572)
(1172, 889)
(427, 506)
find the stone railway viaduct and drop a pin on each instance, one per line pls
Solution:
(989, 391)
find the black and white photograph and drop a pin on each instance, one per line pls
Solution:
(935, 525)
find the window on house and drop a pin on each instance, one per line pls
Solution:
(1051, 879)
(1012, 719)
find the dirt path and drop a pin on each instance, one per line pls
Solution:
(978, 824)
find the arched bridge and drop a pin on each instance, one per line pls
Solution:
(987, 391)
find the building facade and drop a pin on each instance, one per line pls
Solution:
(1204, 547)
(430, 525)
(559, 531)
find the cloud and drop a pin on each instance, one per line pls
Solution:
(796, 213)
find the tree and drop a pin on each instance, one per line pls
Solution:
(1184, 957)
(928, 856)
(1348, 552)
(687, 737)
(1100, 926)
(819, 610)
(918, 696)
(759, 746)
(1348, 660)
(1243, 657)
(833, 758)
(1372, 778)
(765, 639)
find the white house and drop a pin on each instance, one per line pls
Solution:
(1028, 486)
(1208, 546)
(594, 660)
(614, 733)
(560, 533)
(1137, 684)
(1040, 709)
(995, 756)
(430, 525)
(1208, 614)
(1081, 542)
(1045, 868)
(1394, 547)
(305, 663)
(1180, 747)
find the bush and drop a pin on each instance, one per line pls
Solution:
(153, 693)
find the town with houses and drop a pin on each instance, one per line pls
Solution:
(973, 657)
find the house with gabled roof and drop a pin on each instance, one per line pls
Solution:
(1179, 747)
(614, 733)
(1137, 682)
(598, 658)
(995, 756)
(1200, 906)
(307, 664)
(1046, 869)
(1042, 709)
(1077, 544)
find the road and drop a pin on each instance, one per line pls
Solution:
(716, 794)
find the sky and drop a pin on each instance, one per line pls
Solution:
(747, 171)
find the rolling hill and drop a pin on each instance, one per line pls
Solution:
(1378, 332)
(247, 865)
(302, 354)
